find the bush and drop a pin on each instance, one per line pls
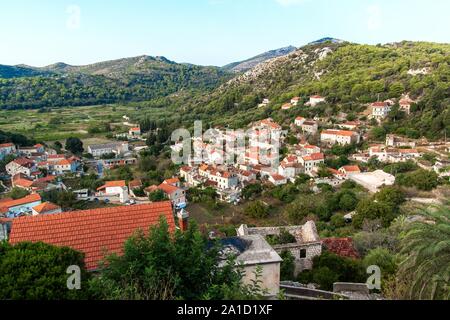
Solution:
(421, 179)
(18, 193)
(382, 258)
(251, 190)
(330, 268)
(287, 268)
(283, 238)
(37, 271)
(157, 196)
(257, 209)
(338, 221)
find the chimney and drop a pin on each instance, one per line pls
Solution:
(183, 220)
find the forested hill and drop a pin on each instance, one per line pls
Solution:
(132, 79)
(349, 75)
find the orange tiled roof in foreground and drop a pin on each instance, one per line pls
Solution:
(92, 231)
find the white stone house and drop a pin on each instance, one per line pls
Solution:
(380, 110)
(295, 101)
(277, 179)
(312, 161)
(310, 127)
(342, 137)
(21, 165)
(114, 188)
(315, 100)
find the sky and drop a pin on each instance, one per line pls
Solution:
(204, 32)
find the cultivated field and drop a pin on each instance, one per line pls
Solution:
(61, 123)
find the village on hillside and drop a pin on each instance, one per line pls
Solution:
(318, 152)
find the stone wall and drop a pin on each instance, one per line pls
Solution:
(270, 277)
(307, 239)
(313, 249)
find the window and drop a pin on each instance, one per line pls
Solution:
(302, 253)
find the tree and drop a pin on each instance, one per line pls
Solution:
(424, 253)
(368, 209)
(392, 196)
(348, 201)
(257, 209)
(421, 179)
(382, 258)
(329, 268)
(74, 145)
(161, 266)
(37, 271)
(251, 190)
(158, 196)
(18, 193)
(64, 199)
(287, 268)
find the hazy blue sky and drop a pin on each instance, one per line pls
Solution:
(209, 32)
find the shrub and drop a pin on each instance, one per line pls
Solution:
(257, 209)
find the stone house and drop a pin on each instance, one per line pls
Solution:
(307, 246)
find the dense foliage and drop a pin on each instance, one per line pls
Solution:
(37, 271)
(330, 268)
(134, 79)
(162, 267)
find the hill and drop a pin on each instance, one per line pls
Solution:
(130, 79)
(9, 72)
(349, 75)
(248, 64)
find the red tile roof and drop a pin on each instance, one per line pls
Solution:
(6, 145)
(379, 104)
(278, 177)
(91, 231)
(172, 181)
(64, 162)
(28, 199)
(46, 207)
(24, 183)
(24, 162)
(351, 169)
(167, 188)
(343, 133)
(314, 157)
(341, 246)
(135, 184)
(112, 184)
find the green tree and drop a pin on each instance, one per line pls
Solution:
(421, 179)
(287, 266)
(74, 145)
(165, 267)
(369, 210)
(18, 193)
(382, 258)
(158, 196)
(392, 196)
(424, 254)
(37, 271)
(257, 209)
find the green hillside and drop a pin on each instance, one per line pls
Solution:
(349, 75)
(124, 80)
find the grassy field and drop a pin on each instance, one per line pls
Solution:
(61, 123)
